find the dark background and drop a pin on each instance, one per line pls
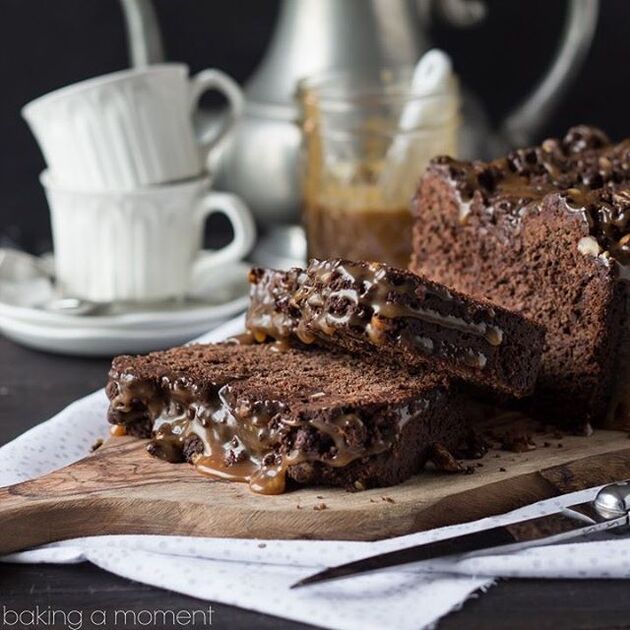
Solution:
(46, 44)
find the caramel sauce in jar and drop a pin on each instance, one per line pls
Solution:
(374, 235)
(355, 220)
(364, 148)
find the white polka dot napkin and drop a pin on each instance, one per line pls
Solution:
(256, 575)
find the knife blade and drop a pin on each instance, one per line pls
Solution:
(609, 510)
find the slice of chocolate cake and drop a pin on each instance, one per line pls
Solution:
(545, 232)
(257, 414)
(373, 309)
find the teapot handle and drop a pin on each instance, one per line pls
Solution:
(521, 126)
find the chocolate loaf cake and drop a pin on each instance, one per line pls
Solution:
(544, 232)
(257, 414)
(372, 309)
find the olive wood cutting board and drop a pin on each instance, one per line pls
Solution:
(120, 489)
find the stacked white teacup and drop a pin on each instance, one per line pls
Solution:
(127, 183)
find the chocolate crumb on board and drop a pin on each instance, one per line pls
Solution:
(320, 506)
(97, 444)
(516, 440)
(502, 469)
(388, 499)
(474, 446)
(444, 461)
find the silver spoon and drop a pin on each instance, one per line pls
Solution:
(75, 306)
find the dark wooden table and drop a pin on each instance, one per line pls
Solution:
(34, 386)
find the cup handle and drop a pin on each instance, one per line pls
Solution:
(212, 79)
(242, 223)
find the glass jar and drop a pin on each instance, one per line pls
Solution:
(366, 141)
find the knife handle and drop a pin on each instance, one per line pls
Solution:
(613, 500)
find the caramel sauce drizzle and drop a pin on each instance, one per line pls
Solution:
(368, 291)
(242, 441)
(373, 294)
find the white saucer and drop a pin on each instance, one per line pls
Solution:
(99, 342)
(164, 325)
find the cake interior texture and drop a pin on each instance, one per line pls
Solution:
(396, 316)
(544, 232)
(264, 415)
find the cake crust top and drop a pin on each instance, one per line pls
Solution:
(584, 171)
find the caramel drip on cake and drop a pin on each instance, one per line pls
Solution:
(335, 294)
(271, 311)
(238, 440)
(369, 290)
(376, 310)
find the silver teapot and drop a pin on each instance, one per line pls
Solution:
(260, 162)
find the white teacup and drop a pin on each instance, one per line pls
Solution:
(129, 129)
(140, 245)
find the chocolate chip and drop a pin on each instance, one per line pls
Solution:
(192, 446)
(582, 137)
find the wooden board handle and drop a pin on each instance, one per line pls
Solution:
(26, 522)
(86, 498)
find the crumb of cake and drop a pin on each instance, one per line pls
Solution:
(388, 499)
(320, 506)
(502, 469)
(516, 440)
(475, 446)
(443, 459)
(96, 445)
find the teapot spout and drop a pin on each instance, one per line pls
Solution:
(522, 126)
(144, 39)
